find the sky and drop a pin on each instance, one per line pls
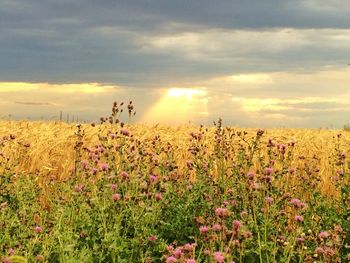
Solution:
(253, 63)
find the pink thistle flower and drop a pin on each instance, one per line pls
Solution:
(177, 252)
(153, 178)
(125, 132)
(319, 250)
(250, 175)
(6, 260)
(159, 196)
(104, 167)
(298, 218)
(204, 230)
(323, 234)
(300, 240)
(85, 164)
(94, 171)
(219, 257)
(152, 238)
(269, 200)
(116, 197)
(170, 248)
(268, 171)
(244, 214)
(38, 229)
(79, 188)
(188, 247)
(113, 187)
(216, 227)
(236, 224)
(295, 202)
(124, 174)
(221, 212)
(171, 259)
(11, 252)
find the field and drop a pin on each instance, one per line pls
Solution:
(134, 193)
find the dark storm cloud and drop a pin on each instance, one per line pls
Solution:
(106, 41)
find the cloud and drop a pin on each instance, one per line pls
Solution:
(32, 103)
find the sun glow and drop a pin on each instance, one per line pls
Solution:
(179, 105)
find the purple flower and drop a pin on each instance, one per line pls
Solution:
(171, 259)
(323, 234)
(298, 218)
(159, 196)
(268, 171)
(300, 240)
(216, 227)
(221, 212)
(104, 167)
(11, 252)
(152, 238)
(177, 252)
(269, 200)
(124, 175)
(79, 188)
(116, 197)
(38, 229)
(204, 230)
(94, 171)
(236, 224)
(250, 175)
(219, 258)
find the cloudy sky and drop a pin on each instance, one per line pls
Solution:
(254, 63)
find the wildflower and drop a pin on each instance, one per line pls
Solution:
(268, 171)
(171, 259)
(177, 252)
(207, 252)
(85, 164)
(113, 187)
(221, 212)
(298, 218)
(6, 260)
(216, 227)
(191, 261)
(152, 238)
(116, 197)
(203, 230)
(323, 234)
(170, 248)
(159, 196)
(188, 247)
(236, 224)
(153, 178)
(38, 229)
(125, 132)
(79, 188)
(319, 250)
(11, 252)
(250, 175)
(124, 174)
(300, 240)
(244, 214)
(219, 258)
(94, 171)
(104, 167)
(269, 200)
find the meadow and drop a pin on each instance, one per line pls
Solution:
(115, 192)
